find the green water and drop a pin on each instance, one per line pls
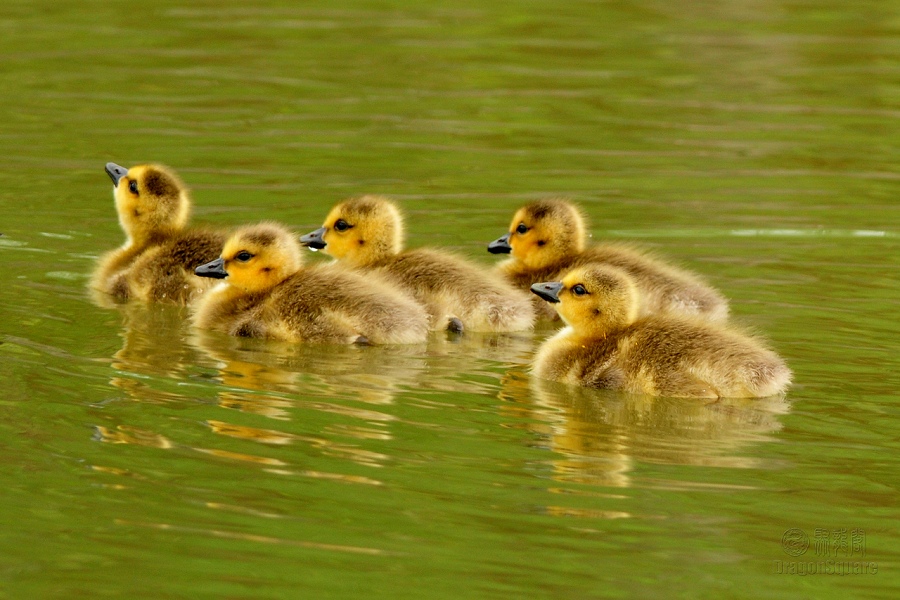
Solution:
(755, 142)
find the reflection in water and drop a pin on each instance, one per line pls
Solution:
(124, 434)
(514, 348)
(240, 376)
(152, 346)
(371, 375)
(161, 352)
(602, 435)
(363, 374)
(263, 436)
(329, 447)
(243, 457)
(263, 539)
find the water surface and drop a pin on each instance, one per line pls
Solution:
(754, 143)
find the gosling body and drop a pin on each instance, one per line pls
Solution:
(366, 233)
(157, 261)
(606, 344)
(267, 293)
(548, 238)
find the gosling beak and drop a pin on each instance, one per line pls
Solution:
(314, 239)
(214, 269)
(500, 245)
(548, 291)
(115, 173)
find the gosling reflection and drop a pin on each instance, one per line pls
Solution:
(342, 372)
(305, 383)
(514, 348)
(469, 363)
(255, 378)
(154, 352)
(371, 375)
(327, 446)
(333, 394)
(600, 436)
(125, 434)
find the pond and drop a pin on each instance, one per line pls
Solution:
(754, 143)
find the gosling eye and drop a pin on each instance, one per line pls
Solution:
(132, 186)
(521, 228)
(243, 256)
(341, 225)
(579, 290)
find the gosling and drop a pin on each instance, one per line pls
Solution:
(547, 238)
(157, 261)
(606, 344)
(367, 234)
(267, 293)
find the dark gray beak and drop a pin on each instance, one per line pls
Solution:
(314, 239)
(115, 173)
(548, 291)
(214, 269)
(500, 245)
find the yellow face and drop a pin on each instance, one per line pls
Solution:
(545, 233)
(596, 299)
(343, 239)
(528, 240)
(149, 199)
(257, 258)
(363, 230)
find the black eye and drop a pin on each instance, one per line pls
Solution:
(579, 290)
(133, 186)
(521, 228)
(341, 225)
(243, 256)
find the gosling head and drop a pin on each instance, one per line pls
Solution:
(360, 231)
(256, 258)
(543, 233)
(150, 199)
(593, 298)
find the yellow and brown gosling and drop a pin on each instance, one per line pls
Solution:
(367, 233)
(548, 237)
(160, 253)
(607, 344)
(267, 293)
